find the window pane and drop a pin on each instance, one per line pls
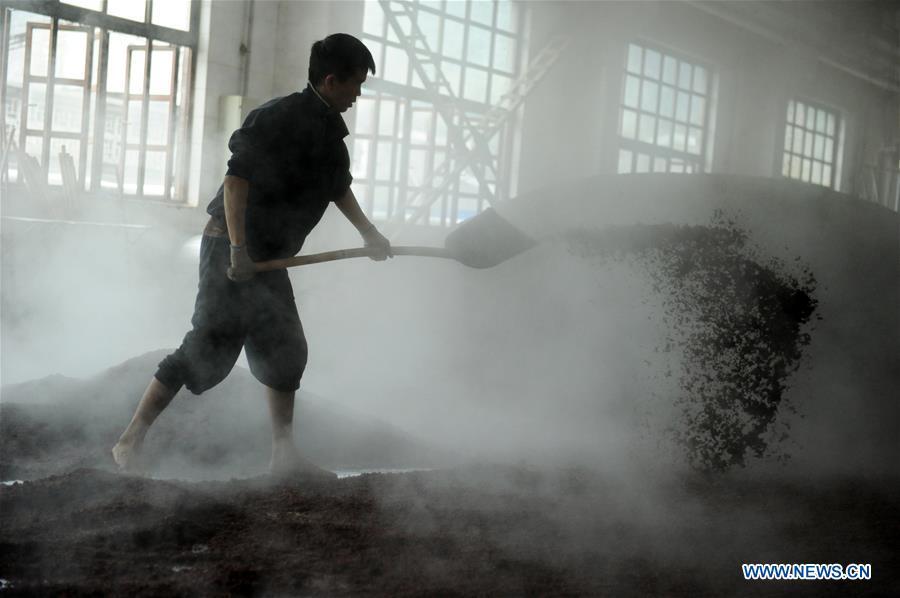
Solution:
(416, 173)
(127, 9)
(383, 161)
(452, 72)
(155, 173)
(694, 140)
(700, 79)
(131, 171)
(684, 75)
(829, 150)
(118, 48)
(643, 163)
(795, 167)
(670, 70)
(810, 117)
(830, 128)
(806, 169)
(430, 25)
(365, 120)
(172, 13)
(632, 89)
(820, 121)
(37, 105)
(649, 96)
(482, 11)
(396, 65)
(800, 114)
(808, 144)
(697, 107)
(505, 15)
(788, 137)
(652, 64)
(72, 147)
(381, 202)
(629, 124)
(386, 118)
(624, 162)
(819, 148)
(476, 84)
(456, 8)
(680, 138)
(161, 66)
(68, 108)
(659, 164)
(798, 141)
(667, 102)
(817, 172)
(453, 39)
(681, 109)
(71, 53)
(373, 19)
(646, 128)
(664, 134)
(634, 58)
(136, 74)
(826, 175)
(133, 122)
(40, 52)
(785, 165)
(158, 125)
(504, 48)
(499, 87)
(421, 126)
(479, 46)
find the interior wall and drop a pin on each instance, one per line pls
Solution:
(222, 31)
(571, 120)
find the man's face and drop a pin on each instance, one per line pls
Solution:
(342, 94)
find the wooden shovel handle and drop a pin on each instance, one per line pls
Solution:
(343, 254)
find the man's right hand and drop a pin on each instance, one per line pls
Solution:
(242, 268)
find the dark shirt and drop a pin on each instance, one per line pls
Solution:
(292, 152)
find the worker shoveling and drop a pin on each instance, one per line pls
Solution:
(736, 322)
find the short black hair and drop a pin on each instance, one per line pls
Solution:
(341, 55)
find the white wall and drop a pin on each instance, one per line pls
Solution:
(571, 120)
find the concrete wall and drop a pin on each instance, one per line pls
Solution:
(571, 120)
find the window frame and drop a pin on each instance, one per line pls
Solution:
(414, 97)
(101, 24)
(836, 138)
(697, 162)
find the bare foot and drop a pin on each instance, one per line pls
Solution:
(286, 460)
(127, 455)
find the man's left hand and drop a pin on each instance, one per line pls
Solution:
(376, 240)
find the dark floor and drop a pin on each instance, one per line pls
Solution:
(479, 530)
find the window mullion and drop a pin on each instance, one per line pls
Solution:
(100, 112)
(145, 118)
(48, 97)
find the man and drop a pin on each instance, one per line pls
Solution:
(288, 162)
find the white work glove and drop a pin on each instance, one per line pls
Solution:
(376, 240)
(242, 268)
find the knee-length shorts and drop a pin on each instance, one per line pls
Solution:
(259, 315)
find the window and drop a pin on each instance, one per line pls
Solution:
(663, 115)
(401, 136)
(810, 144)
(112, 94)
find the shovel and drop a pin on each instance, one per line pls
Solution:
(482, 241)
